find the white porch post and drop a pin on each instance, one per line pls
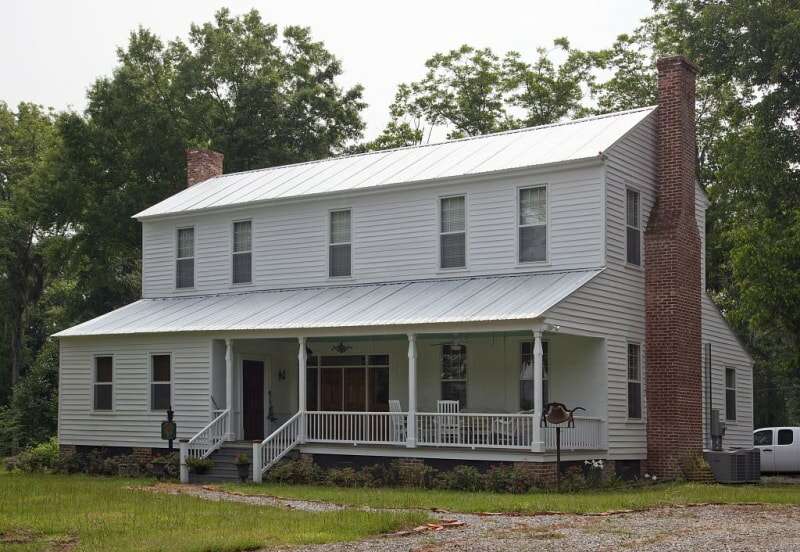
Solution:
(229, 388)
(538, 396)
(411, 426)
(301, 386)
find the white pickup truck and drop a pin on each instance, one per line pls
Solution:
(780, 448)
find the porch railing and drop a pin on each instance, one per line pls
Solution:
(210, 438)
(375, 428)
(588, 434)
(276, 446)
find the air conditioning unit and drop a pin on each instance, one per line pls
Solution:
(735, 466)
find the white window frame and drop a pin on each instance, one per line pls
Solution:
(518, 226)
(150, 381)
(193, 257)
(465, 379)
(439, 233)
(331, 243)
(735, 390)
(640, 381)
(234, 253)
(638, 227)
(95, 383)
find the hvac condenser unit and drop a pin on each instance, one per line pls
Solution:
(735, 466)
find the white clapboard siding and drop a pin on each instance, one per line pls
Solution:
(395, 235)
(131, 423)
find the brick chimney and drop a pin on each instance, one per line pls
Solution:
(672, 280)
(202, 164)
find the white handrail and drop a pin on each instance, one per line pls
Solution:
(273, 448)
(210, 438)
(371, 428)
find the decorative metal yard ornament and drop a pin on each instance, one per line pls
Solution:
(557, 414)
(169, 429)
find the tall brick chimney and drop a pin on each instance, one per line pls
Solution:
(672, 280)
(202, 164)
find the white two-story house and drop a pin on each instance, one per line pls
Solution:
(426, 302)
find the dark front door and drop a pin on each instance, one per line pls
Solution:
(253, 399)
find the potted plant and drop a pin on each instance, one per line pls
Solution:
(199, 465)
(243, 467)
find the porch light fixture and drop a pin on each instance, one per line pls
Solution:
(341, 348)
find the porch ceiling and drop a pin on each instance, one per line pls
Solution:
(490, 298)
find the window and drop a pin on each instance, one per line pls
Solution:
(452, 232)
(762, 438)
(184, 270)
(526, 401)
(730, 394)
(103, 383)
(633, 228)
(340, 244)
(347, 382)
(533, 224)
(242, 252)
(785, 436)
(634, 381)
(454, 374)
(161, 382)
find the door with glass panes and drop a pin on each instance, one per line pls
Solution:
(347, 383)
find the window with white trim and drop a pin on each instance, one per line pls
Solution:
(730, 394)
(160, 382)
(634, 381)
(454, 374)
(526, 399)
(242, 252)
(184, 263)
(103, 383)
(532, 223)
(452, 232)
(339, 259)
(633, 236)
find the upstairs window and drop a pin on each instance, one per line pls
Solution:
(161, 382)
(730, 394)
(634, 381)
(242, 252)
(103, 383)
(184, 268)
(339, 260)
(526, 400)
(533, 224)
(454, 374)
(633, 228)
(452, 232)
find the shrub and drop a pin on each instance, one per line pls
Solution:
(344, 477)
(243, 460)
(378, 475)
(414, 474)
(498, 479)
(41, 458)
(461, 478)
(200, 465)
(298, 472)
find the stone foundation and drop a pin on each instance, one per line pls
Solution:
(67, 450)
(142, 455)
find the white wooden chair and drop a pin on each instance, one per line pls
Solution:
(398, 421)
(448, 427)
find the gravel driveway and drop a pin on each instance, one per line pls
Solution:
(696, 528)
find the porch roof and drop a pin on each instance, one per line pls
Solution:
(474, 299)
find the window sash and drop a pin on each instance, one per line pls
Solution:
(103, 383)
(242, 268)
(184, 261)
(160, 382)
(730, 394)
(634, 381)
(242, 236)
(340, 258)
(340, 227)
(532, 224)
(452, 232)
(633, 232)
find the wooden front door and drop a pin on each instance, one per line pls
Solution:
(253, 399)
(331, 389)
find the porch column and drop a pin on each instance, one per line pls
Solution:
(301, 386)
(538, 396)
(229, 388)
(411, 426)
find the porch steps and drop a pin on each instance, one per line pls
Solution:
(225, 469)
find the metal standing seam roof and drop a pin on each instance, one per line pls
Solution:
(561, 142)
(474, 299)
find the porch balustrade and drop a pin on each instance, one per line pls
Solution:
(374, 428)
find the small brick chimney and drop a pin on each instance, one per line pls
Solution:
(672, 280)
(202, 164)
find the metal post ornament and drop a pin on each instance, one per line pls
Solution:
(557, 414)
(169, 429)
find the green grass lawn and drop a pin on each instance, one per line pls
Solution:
(37, 512)
(579, 502)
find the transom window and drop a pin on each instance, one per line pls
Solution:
(242, 252)
(103, 383)
(453, 232)
(454, 374)
(634, 381)
(339, 262)
(633, 228)
(184, 268)
(533, 224)
(526, 398)
(161, 382)
(730, 394)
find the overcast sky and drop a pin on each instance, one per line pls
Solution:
(51, 51)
